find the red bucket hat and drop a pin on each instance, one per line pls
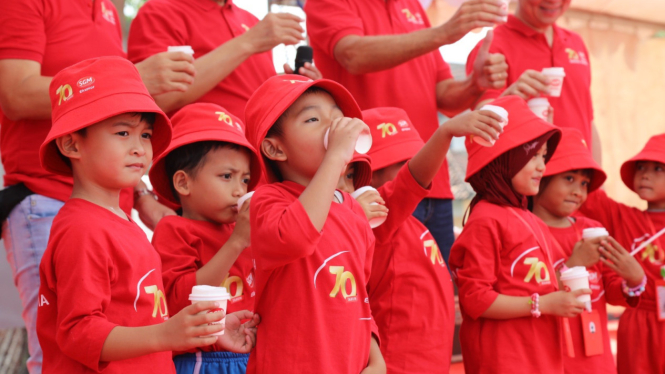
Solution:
(523, 126)
(654, 150)
(94, 90)
(394, 137)
(276, 95)
(363, 170)
(196, 123)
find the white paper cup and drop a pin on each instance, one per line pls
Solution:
(540, 107)
(375, 222)
(577, 278)
(594, 232)
(363, 144)
(502, 113)
(555, 75)
(181, 48)
(504, 6)
(244, 198)
(210, 293)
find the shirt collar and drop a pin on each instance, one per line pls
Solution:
(516, 24)
(209, 4)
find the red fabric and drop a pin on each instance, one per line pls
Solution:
(90, 273)
(203, 25)
(56, 34)
(394, 138)
(410, 290)
(276, 95)
(496, 254)
(654, 150)
(186, 245)
(573, 153)
(309, 325)
(411, 86)
(196, 123)
(526, 48)
(362, 175)
(630, 227)
(605, 286)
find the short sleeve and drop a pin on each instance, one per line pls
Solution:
(443, 71)
(22, 35)
(155, 28)
(328, 21)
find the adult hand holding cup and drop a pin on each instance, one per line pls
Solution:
(555, 76)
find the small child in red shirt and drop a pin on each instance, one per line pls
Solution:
(313, 247)
(410, 290)
(502, 260)
(102, 304)
(641, 334)
(207, 167)
(570, 175)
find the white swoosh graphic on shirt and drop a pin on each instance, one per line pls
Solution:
(138, 288)
(517, 259)
(324, 264)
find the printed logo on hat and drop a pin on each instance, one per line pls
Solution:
(416, 18)
(244, 27)
(223, 117)
(404, 125)
(297, 81)
(387, 129)
(528, 147)
(65, 91)
(84, 82)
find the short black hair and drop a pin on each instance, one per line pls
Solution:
(190, 158)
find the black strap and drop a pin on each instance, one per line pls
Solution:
(10, 197)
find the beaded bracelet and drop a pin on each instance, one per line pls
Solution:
(634, 291)
(535, 311)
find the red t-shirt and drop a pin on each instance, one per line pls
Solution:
(186, 245)
(310, 286)
(204, 26)
(99, 271)
(526, 48)
(499, 253)
(56, 34)
(605, 285)
(410, 86)
(410, 290)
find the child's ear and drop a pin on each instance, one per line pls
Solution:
(68, 145)
(273, 150)
(181, 183)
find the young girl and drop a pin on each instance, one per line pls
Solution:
(502, 261)
(570, 174)
(641, 335)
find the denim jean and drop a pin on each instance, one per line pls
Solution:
(26, 233)
(437, 216)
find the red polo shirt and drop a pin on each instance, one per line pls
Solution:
(526, 48)
(410, 86)
(204, 25)
(56, 34)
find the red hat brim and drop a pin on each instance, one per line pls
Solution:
(363, 170)
(628, 167)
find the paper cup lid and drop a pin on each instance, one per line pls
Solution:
(554, 71)
(502, 112)
(594, 232)
(356, 194)
(574, 272)
(181, 48)
(204, 293)
(538, 102)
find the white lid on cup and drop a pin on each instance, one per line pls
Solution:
(594, 232)
(554, 71)
(374, 222)
(363, 144)
(538, 101)
(208, 293)
(244, 198)
(181, 48)
(356, 194)
(502, 112)
(574, 273)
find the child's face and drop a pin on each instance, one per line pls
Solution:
(345, 183)
(649, 180)
(381, 176)
(114, 153)
(565, 193)
(212, 192)
(527, 180)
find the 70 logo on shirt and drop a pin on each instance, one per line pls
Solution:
(537, 270)
(342, 277)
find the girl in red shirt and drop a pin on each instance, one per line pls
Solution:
(502, 261)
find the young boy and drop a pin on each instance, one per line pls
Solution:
(643, 326)
(207, 167)
(410, 290)
(313, 254)
(102, 303)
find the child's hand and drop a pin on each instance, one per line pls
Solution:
(241, 231)
(344, 133)
(189, 328)
(484, 124)
(619, 259)
(563, 303)
(373, 210)
(239, 337)
(585, 253)
(376, 364)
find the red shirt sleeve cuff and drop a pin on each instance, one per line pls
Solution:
(21, 54)
(337, 36)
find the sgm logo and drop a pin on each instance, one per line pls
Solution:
(84, 82)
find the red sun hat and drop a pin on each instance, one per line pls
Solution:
(91, 91)
(276, 95)
(197, 123)
(523, 126)
(573, 153)
(654, 150)
(394, 138)
(363, 170)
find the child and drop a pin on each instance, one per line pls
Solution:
(502, 261)
(641, 335)
(410, 290)
(102, 303)
(313, 254)
(570, 174)
(207, 167)
(358, 173)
